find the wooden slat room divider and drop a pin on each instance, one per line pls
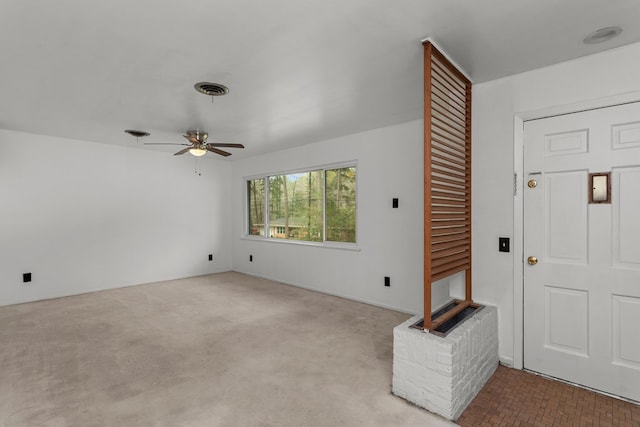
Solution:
(447, 179)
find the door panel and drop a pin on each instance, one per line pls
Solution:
(626, 136)
(566, 217)
(582, 297)
(626, 218)
(569, 335)
(626, 315)
(567, 143)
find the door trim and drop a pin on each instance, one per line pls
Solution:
(518, 201)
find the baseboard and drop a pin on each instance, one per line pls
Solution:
(335, 294)
(506, 361)
(17, 301)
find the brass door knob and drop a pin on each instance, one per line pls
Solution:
(532, 260)
(532, 183)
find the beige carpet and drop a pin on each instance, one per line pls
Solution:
(219, 350)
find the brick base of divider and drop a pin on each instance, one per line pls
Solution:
(444, 374)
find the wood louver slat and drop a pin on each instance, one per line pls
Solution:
(436, 171)
(451, 268)
(450, 129)
(450, 225)
(449, 70)
(447, 179)
(454, 197)
(449, 153)
(438, 95)
(449, 261)
(447, 235)
(439, 82)
(455, 187)
(441, 104)
(445, 168)
(441, 129)
(437, 201)
(450, 246)
(461, 306)
(451, 163)
(452, 236)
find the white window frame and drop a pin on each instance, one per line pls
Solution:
(325, 243)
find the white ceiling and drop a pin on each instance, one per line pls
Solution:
(298, 71)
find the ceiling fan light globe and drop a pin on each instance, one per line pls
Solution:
(198, 152)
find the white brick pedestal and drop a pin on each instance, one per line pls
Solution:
(444, 374)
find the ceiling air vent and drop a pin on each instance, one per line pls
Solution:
(211, 89)
(137, 133)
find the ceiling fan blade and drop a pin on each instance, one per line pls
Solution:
(184, 150)
(215, 150)
(164, 143)
(192, 139)
(224, 144)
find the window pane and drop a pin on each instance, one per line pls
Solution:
(295, 206)
(340, 196)
(255, 192)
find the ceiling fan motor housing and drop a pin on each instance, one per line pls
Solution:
(197, 137)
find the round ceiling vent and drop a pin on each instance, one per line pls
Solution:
(602, 35)
(211, 89)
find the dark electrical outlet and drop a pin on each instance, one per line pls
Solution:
(503, 244)
(387, 281)
(210, 257)
(26, 277)
(250, 258)
(395, 203)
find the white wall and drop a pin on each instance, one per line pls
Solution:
(581, 83)
(390, 164)
(83, 216)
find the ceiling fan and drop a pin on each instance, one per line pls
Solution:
(198, 145)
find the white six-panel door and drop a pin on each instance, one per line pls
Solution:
(582, 297)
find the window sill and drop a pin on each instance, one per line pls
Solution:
(328, 245)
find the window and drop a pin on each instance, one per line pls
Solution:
(295, 206)
(340, 202)
(314, 206)
(256, 190)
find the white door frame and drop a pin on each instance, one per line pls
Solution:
(518, 202)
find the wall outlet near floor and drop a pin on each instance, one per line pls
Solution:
(387, 281)
(210, 257)
(26, 277)
(250, 258)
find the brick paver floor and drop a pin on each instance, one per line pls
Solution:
(517, 398)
